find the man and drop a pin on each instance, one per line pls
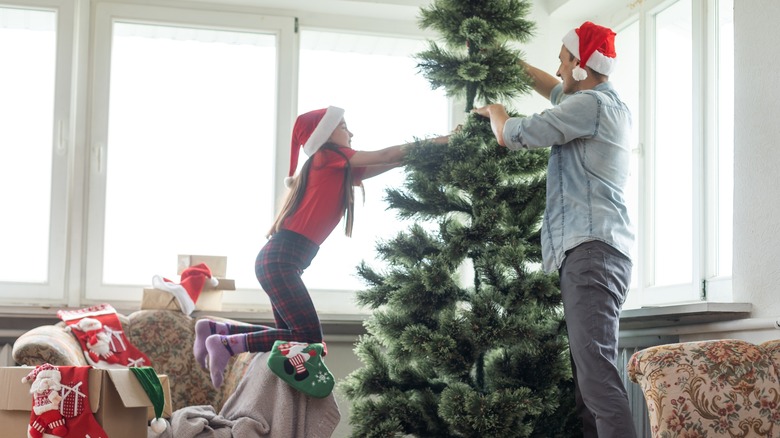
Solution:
(586, 232)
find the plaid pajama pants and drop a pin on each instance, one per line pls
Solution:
(278, 267)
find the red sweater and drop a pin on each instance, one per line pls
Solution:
(320, 209)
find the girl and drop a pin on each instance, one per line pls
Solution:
(319, 197)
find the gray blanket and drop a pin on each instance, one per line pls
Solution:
(262, 406)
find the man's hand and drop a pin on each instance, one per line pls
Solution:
(498, 117)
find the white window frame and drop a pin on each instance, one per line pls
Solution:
(63, 141)
(707, 284)
(105, 16)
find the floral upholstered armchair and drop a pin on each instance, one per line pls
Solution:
(165, 336)
(722, 388)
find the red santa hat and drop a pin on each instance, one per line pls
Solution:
(44, 371)
(311, 131)
(594, 46)
(191, 284)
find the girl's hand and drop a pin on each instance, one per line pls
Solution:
(444, 139)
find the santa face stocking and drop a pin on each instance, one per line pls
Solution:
(301, 366)
(60, 399)
(100, 334)
(46, 389)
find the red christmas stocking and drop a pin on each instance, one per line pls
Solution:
(100, 334)
(75, 404)
(60, 403)
(46, 389)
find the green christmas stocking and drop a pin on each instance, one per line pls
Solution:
(301, 366)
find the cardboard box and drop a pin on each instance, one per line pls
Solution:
(209, 299)
(117, 400)
(217, 264)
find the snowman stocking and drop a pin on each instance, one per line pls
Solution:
(100, 334)
(301, 366)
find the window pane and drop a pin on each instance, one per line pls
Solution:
(387, 103)
(673, 146)
(725, 135)
(28, 54)
(191, 140)
(625, 78)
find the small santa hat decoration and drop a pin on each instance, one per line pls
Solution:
(44, 371)
(191, 284)
(594, 46)
(311, 131)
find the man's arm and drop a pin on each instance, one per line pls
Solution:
(543, 82)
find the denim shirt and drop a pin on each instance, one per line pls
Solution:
(587, 171)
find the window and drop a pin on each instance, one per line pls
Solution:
(725, 137)
(152, 131)
(386, 103)
(35, 142)
(627, 83)
(672, 147)
(682, 195)
(183, 161)
(27, 82)
(193, 156)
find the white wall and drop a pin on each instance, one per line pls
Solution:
(756, 157)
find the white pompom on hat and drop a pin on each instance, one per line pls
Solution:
(594, 46)
(311, 131)
(191, 284)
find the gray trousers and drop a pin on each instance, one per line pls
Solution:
(595, 278)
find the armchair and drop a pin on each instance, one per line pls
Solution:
(718, 388)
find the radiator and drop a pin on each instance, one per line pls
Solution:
(636, 399)
(5, 356)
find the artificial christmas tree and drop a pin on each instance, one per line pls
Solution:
(485, 356)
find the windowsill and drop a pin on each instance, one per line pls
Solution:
(17, 320)
(683, 314)
(332, 324)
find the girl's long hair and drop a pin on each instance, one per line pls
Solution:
(298, 188)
